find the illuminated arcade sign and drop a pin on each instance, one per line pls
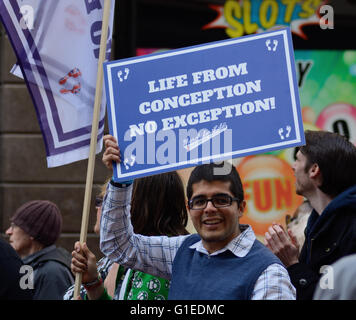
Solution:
(269, 186)
(241, 17)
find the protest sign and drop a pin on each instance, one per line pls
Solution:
(204, 103)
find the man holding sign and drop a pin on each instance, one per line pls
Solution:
(223, 261)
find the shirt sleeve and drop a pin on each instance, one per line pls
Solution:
(274, 284)
(153, 255)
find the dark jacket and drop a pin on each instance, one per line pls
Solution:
(11, 275)
(328, 237)
(52, 274)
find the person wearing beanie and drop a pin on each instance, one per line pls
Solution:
(34, 229)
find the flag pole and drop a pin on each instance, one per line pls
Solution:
(94, 135)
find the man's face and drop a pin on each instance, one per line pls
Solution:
(216, 226)
(19, 240)
(303, 183)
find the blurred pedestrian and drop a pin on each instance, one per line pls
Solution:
(297, 223)
(110, 272)
(157, 208)
(325, 171)
(34, 229)
(15, 280)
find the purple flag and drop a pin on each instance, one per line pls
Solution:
(57, 47)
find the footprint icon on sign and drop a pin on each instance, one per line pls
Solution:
(123, 75)
(271, 45)
(128, 163)
(281, 131)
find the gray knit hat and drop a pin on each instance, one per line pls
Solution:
(41, 219)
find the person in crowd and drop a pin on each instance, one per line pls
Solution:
(157, 208)
(224, 260)
(338, 281)
(34, 229)
(325, 174)
(111, 273)
(16, 281)
(297, 223)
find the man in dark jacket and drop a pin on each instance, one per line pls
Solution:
(35, 227)
(11, 275)
(325, 171)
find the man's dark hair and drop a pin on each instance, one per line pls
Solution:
(336, 158)
(216, 172)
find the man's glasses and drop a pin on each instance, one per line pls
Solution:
(98, 202)
(13, 225)
(218, 201)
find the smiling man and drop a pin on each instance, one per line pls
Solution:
(215, 212)
(224, 260)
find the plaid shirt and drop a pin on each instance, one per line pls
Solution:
(155, 254)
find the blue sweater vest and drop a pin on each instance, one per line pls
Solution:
(197, 276)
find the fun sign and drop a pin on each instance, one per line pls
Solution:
(204, 103)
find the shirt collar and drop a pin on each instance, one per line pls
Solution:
(29, 259)
(239, 246)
